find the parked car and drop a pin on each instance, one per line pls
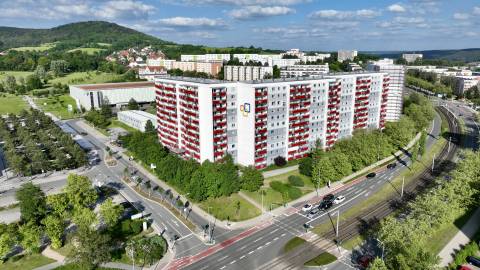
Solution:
(371, 175)
(364, 261)
(83, 133)
(339, 199)
(392, 165)
(312, 213)
(328, 198)
(473, 261)
(307, 207)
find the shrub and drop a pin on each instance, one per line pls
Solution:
(295, 181)
(291, 191)
(180, 203)
(294, 193)
(277, 186)
(136, 226)
(469, 250)
(305, 166)
(280, 161)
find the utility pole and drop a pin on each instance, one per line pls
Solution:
(338, 220)
(403, 184)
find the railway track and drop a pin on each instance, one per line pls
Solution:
(356, 225)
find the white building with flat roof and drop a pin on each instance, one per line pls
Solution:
(397, 84)
(206, 57)
(303, 70)
(257, 121)
(137, 119)
(412, 57)
(246, 73)
(91, 96)
(344, 55)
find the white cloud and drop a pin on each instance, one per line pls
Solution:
(187, 22)
(331, 14)
(247, 2)
(396, 8)
(124, 9)
(461, 16)
(476, 10)
(250, 12)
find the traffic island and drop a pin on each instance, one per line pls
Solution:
(322, 259)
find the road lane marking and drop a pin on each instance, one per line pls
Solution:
(260, 247)
(234, 261)
(275, 239)
(242, 247)
(223, 258)
(258, 239)
(242, 257)
(268, 243)
(273, 231)
(223, 267)
(283, 234)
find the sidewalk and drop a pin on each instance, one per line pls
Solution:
(460, 239)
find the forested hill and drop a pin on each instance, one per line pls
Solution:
(464, 55)
(77, 34)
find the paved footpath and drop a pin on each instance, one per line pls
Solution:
(460, 239)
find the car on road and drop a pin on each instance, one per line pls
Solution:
(325, 205)
(83, 133)
(371, 175)
(392, 165)
(473, 261)
(307, 207)
(328, 198)
(339, 199)
(312, 213)
(467, 267)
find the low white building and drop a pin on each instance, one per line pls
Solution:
(217, 57)
(346, 55)
(149, 72)
(246, 73)
(137, 119)
(314, 58)
(304, 70)
(412, 57)
(91, 96)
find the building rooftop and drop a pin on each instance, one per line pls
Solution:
(140, 115)
(112, 86)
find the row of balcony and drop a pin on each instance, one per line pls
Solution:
(171, 132)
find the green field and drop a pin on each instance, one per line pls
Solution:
(224, 208)
(86, 78)
(89, 51)
(273, 199)
(16, 74)
(322, 259)
(41, 48)
(293, 243)
(57, 105)
(12, 104)
(26, 262)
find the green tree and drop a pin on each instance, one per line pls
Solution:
(40, 72)
(422, 143)
(54, 228)
(110, 212)
(323, 171)
(31, 235)
(149, 127)
(33, 82)
(58, 67)
(10, 84)
(32, 202)
(377, 264)
(132, 104)
(79, 190)
(8, 239)
(251, 178)
(84, 217)
(92, 248)
(276, 72)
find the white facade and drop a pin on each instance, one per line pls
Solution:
(464, 83)
(263, 58)
(258, 121)
(246, 73)
(303, 70)
(411, 57)
(137, 119)
(397, 83)
(314, 58)
(346, 55)
(91, 96)
(206, 57)
(149, 72)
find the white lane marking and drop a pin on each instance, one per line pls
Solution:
(234, 261)
(223, 267)
(250, 252)
(357, 191)
(372, 186)
(275, 239)
(258, 239)
(223, 258)
(268, 243)
(283, 234)
(260, 247)
(242, 257)
(275, 230)
(242, 247)
(366, 194)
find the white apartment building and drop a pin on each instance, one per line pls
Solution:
(257, 121)
(91, 96)
(149, 72)
(303, 70)
(246, 73)
(262, 58)
(344, 55)
(167, 64)
(464, 83)
(205, 57)
(314, 58)
(211, 68)
(411, 57)
(397, 83)
(137, 119)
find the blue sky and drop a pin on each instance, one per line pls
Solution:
(281, 24)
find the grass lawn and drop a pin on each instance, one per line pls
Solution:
(12, 104)
(352, 242)
(226, 207)
(104, 44)
(16, 74)
(387, 189)
(290, 163)
(26, 262)
(293, 243)
(76, 267)
(322, 259)
(41, 48)
(273, 199)
(85, 78)
(90, 51)
(57, 105)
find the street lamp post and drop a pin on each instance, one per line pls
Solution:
(433, 162)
